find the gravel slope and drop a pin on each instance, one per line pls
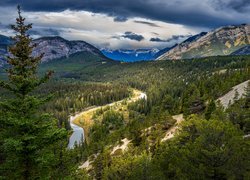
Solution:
(228, 98)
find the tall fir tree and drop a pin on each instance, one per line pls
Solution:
(29, 140)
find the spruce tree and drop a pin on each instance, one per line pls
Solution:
(210, 109)
(28, 138)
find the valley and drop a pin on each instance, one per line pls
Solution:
(158, 99)
(124, 125)
(162, 126)
(171, 132)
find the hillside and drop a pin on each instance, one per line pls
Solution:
(221, 41)
(75, 64)
(163, 51)
(229, 98)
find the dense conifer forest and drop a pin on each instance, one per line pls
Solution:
(211, 142)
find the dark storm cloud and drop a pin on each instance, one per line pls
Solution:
(130, 35)
(238, 5)
(147, 23)
(157, 40)
(173, 38)
(133, 36)
(192, 13)
(176, 37)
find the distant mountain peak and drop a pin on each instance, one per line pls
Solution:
(57, 47)
(131, 55)
(221, 41)
(53, 47)
(195, 37)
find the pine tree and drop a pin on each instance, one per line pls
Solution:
(205, 149)
(210, 109)
(28, 138)
(192, 101)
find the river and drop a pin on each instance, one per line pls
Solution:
(77, 136)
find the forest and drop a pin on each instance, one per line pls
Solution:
(211, 143)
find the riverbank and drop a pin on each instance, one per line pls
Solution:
(83, 121)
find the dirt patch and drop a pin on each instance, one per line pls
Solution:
(171, 132)
(121, 148)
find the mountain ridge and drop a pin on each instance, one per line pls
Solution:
(227, 40)
(53, 47)
(221, 41)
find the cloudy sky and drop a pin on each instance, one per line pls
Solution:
(127, 24)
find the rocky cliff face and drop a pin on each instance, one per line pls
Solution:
(57, 47)
(52, 47)
(222, 41)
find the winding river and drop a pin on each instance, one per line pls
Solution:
(77, 136)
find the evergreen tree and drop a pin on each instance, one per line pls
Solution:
(210, 109)
(29, 139)
(205, 150)
(192, 101)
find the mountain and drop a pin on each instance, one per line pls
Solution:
(242, 51)
(131, 55)
(221, 41)
(163, 51)
(52, 47)
(57, 47)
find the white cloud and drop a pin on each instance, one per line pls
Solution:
(98, 29)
